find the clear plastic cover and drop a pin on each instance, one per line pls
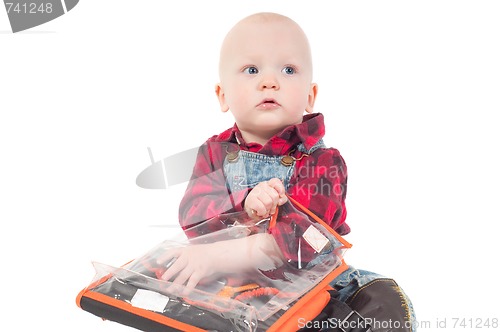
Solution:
(246, 294)
(234, 272)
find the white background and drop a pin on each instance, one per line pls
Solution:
(409, 91)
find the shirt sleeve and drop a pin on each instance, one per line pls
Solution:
(319, 183)
(207, 195)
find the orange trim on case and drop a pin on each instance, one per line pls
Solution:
(274, 217)
(290, 320)
(141, 312)
(92, 285)
(318, 219)
(307, 313)
(287, 322)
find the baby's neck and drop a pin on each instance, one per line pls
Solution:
(260, 138)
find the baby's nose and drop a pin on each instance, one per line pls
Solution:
(269, 83)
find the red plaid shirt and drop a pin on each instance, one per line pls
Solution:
(319, 182)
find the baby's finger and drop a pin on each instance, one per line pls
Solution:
(183, 276)
(282, 200)
(168, 256)
(194, 279)
(271, 205)
(277, 185)
(175, 289)
(175, 268)
(269, 198)
(259, 208)
(251, 212)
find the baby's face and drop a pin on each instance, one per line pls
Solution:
(266, 72)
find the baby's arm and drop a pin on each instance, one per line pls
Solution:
(195, 262)
(207, 195)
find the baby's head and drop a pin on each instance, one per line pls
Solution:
(265, 74)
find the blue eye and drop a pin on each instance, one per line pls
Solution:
(288, 70)
(251, 70)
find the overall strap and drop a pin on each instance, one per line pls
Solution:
(319, 144)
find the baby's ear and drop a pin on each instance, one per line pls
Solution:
(311, 98)
(219, 91)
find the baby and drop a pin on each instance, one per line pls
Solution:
(275, 148)
(266, 83)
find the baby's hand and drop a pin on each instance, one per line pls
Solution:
(263, 199)
(190, 264)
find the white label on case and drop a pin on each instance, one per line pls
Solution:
(315, 239)
(149, 300)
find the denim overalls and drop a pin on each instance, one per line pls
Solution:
(247, 169)
(244, 169)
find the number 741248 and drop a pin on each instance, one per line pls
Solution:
(475, 323)
(29, 8)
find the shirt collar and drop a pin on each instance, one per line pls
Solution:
(308, 132)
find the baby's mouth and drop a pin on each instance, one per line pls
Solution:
(268, 103)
